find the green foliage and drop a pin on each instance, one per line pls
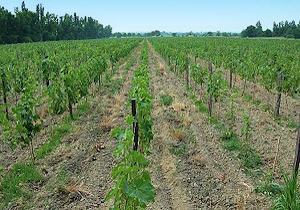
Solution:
(166, 100)
(249, 157)
(57, 95)
(54, 140)
(246, 128)
(28, 26)
(116, 85)
(253, 59)
(14, 184)
(290, 197)
(140, 91)
(133, 188)
(201, 106)
(231, 141)
(179, 149)
(269, 187)
(231, 113)
(27, 124)
(216, 85)
(198, 74)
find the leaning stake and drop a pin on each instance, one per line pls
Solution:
(297, 155)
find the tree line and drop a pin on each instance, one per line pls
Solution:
(31, 26)
(281, 29)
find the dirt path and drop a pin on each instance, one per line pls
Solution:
(267, 134)
(168, 182)
(78, 173)
(188, 157)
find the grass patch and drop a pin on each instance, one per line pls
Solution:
(217, 123)
(54, 141)
(15, 182)
(231, 141)
(265, 107)
(179, 149)
(166, 100)
(201, 106)
(289, 197)
(61, 130)
(248, 98)
(269, 187)
(292, 124)
(249, 157)
(62, 178)
(82, 108)
(115, 85)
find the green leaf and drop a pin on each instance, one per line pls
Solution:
(141, 189)
(129, 119)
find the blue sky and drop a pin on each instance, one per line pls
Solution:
(173, 15)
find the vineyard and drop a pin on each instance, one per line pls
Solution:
(158, 123)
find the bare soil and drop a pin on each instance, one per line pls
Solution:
(203, 175)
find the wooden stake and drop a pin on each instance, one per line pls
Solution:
(297, 154)
(278, 99)
(135, 126)
(276, 156)
(210, 100)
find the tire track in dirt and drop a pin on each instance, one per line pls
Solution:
(210, 176)
(86, 154)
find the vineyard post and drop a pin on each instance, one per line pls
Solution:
(230, 78)
(187, 74)
(135, 125)
(210, 100)
(279, 89)
(32, 151)
(70, 109)
(4, 87)
(297, 154)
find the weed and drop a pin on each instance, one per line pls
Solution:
(248, 98)
(269, 187)
(179, 149)
(231, 141)
(14, 183)
(54, 141)
(292, 124)
(290, 197)
(201, 106)
(116, 85)
(249, 157)
(217, 123)
(246, 129)
(178, 135)
(166, 100)
(83, 108)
